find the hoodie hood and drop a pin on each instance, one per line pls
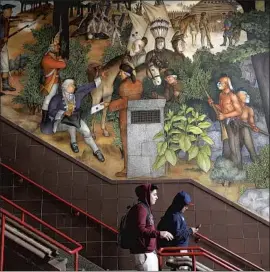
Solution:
(180, 200)
(178, 203)
(143, 193)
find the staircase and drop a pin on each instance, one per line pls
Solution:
(50, 255)
(34, 249)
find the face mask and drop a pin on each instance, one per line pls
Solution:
(247, 99)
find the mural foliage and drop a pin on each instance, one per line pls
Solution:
(175, 89)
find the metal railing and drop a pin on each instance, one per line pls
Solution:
(114, 230)
(5, 214)
(193, 252)
(61, 199)
(204, 238)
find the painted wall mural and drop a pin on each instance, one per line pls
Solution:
(153, 89)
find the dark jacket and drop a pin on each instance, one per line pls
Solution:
(4, 27)
(141, 223)
(58, 104)
(174, 222)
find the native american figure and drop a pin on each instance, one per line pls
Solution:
(160, 55)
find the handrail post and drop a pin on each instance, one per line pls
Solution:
(160, 262)
(194, 263)
(76, 261)
(2, 242)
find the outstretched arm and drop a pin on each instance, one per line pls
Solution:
(84, 90)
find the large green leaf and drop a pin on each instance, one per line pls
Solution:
(170, 114)
(178, 118)
(159, 135)
(174, 140)
(191, 120)
(174, 131)
(171, 157)
(204, 125)
(159, 145)
(167, 127)
(203, 161)
(194, 130)
(208, 140)
(193, 152)
(181, 126)
(174, 146)
(192, 138)
(160, 161)
(185, 143)
(201, 117)
(163, 148)
(206, 149)
(189, 110)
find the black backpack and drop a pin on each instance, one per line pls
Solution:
(125, 236)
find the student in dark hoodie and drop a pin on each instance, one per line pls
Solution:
(141, 224)
(174, 222)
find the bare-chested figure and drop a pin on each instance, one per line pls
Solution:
(229, 110)
(247, 117)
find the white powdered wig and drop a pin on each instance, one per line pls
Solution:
(66, 83)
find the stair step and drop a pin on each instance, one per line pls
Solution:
(59, 263)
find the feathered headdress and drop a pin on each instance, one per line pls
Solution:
(159, 28)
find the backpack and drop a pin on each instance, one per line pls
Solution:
(125, 240)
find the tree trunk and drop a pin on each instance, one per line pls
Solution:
(129, 5)
(60, 13)
(261, 67)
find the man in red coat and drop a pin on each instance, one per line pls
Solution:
(51, 64)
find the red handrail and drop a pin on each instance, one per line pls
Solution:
(107, 226)
(200, 236)
(193, 252)
(23, 223)
(61, 199)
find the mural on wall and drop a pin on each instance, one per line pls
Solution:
(149, 89)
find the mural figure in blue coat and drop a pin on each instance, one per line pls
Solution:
(65, 115)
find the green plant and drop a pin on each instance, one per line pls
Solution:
(184, 131)
(111, 52)
(77, 63)
(31, 96)
(242, 189)
(258, 171)
(117, 138)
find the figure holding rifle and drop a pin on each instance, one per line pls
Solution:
(5, 14)
(247, 124)
(229, 110)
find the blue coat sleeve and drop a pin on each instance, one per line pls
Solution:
(181, 231)
(84, 90)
